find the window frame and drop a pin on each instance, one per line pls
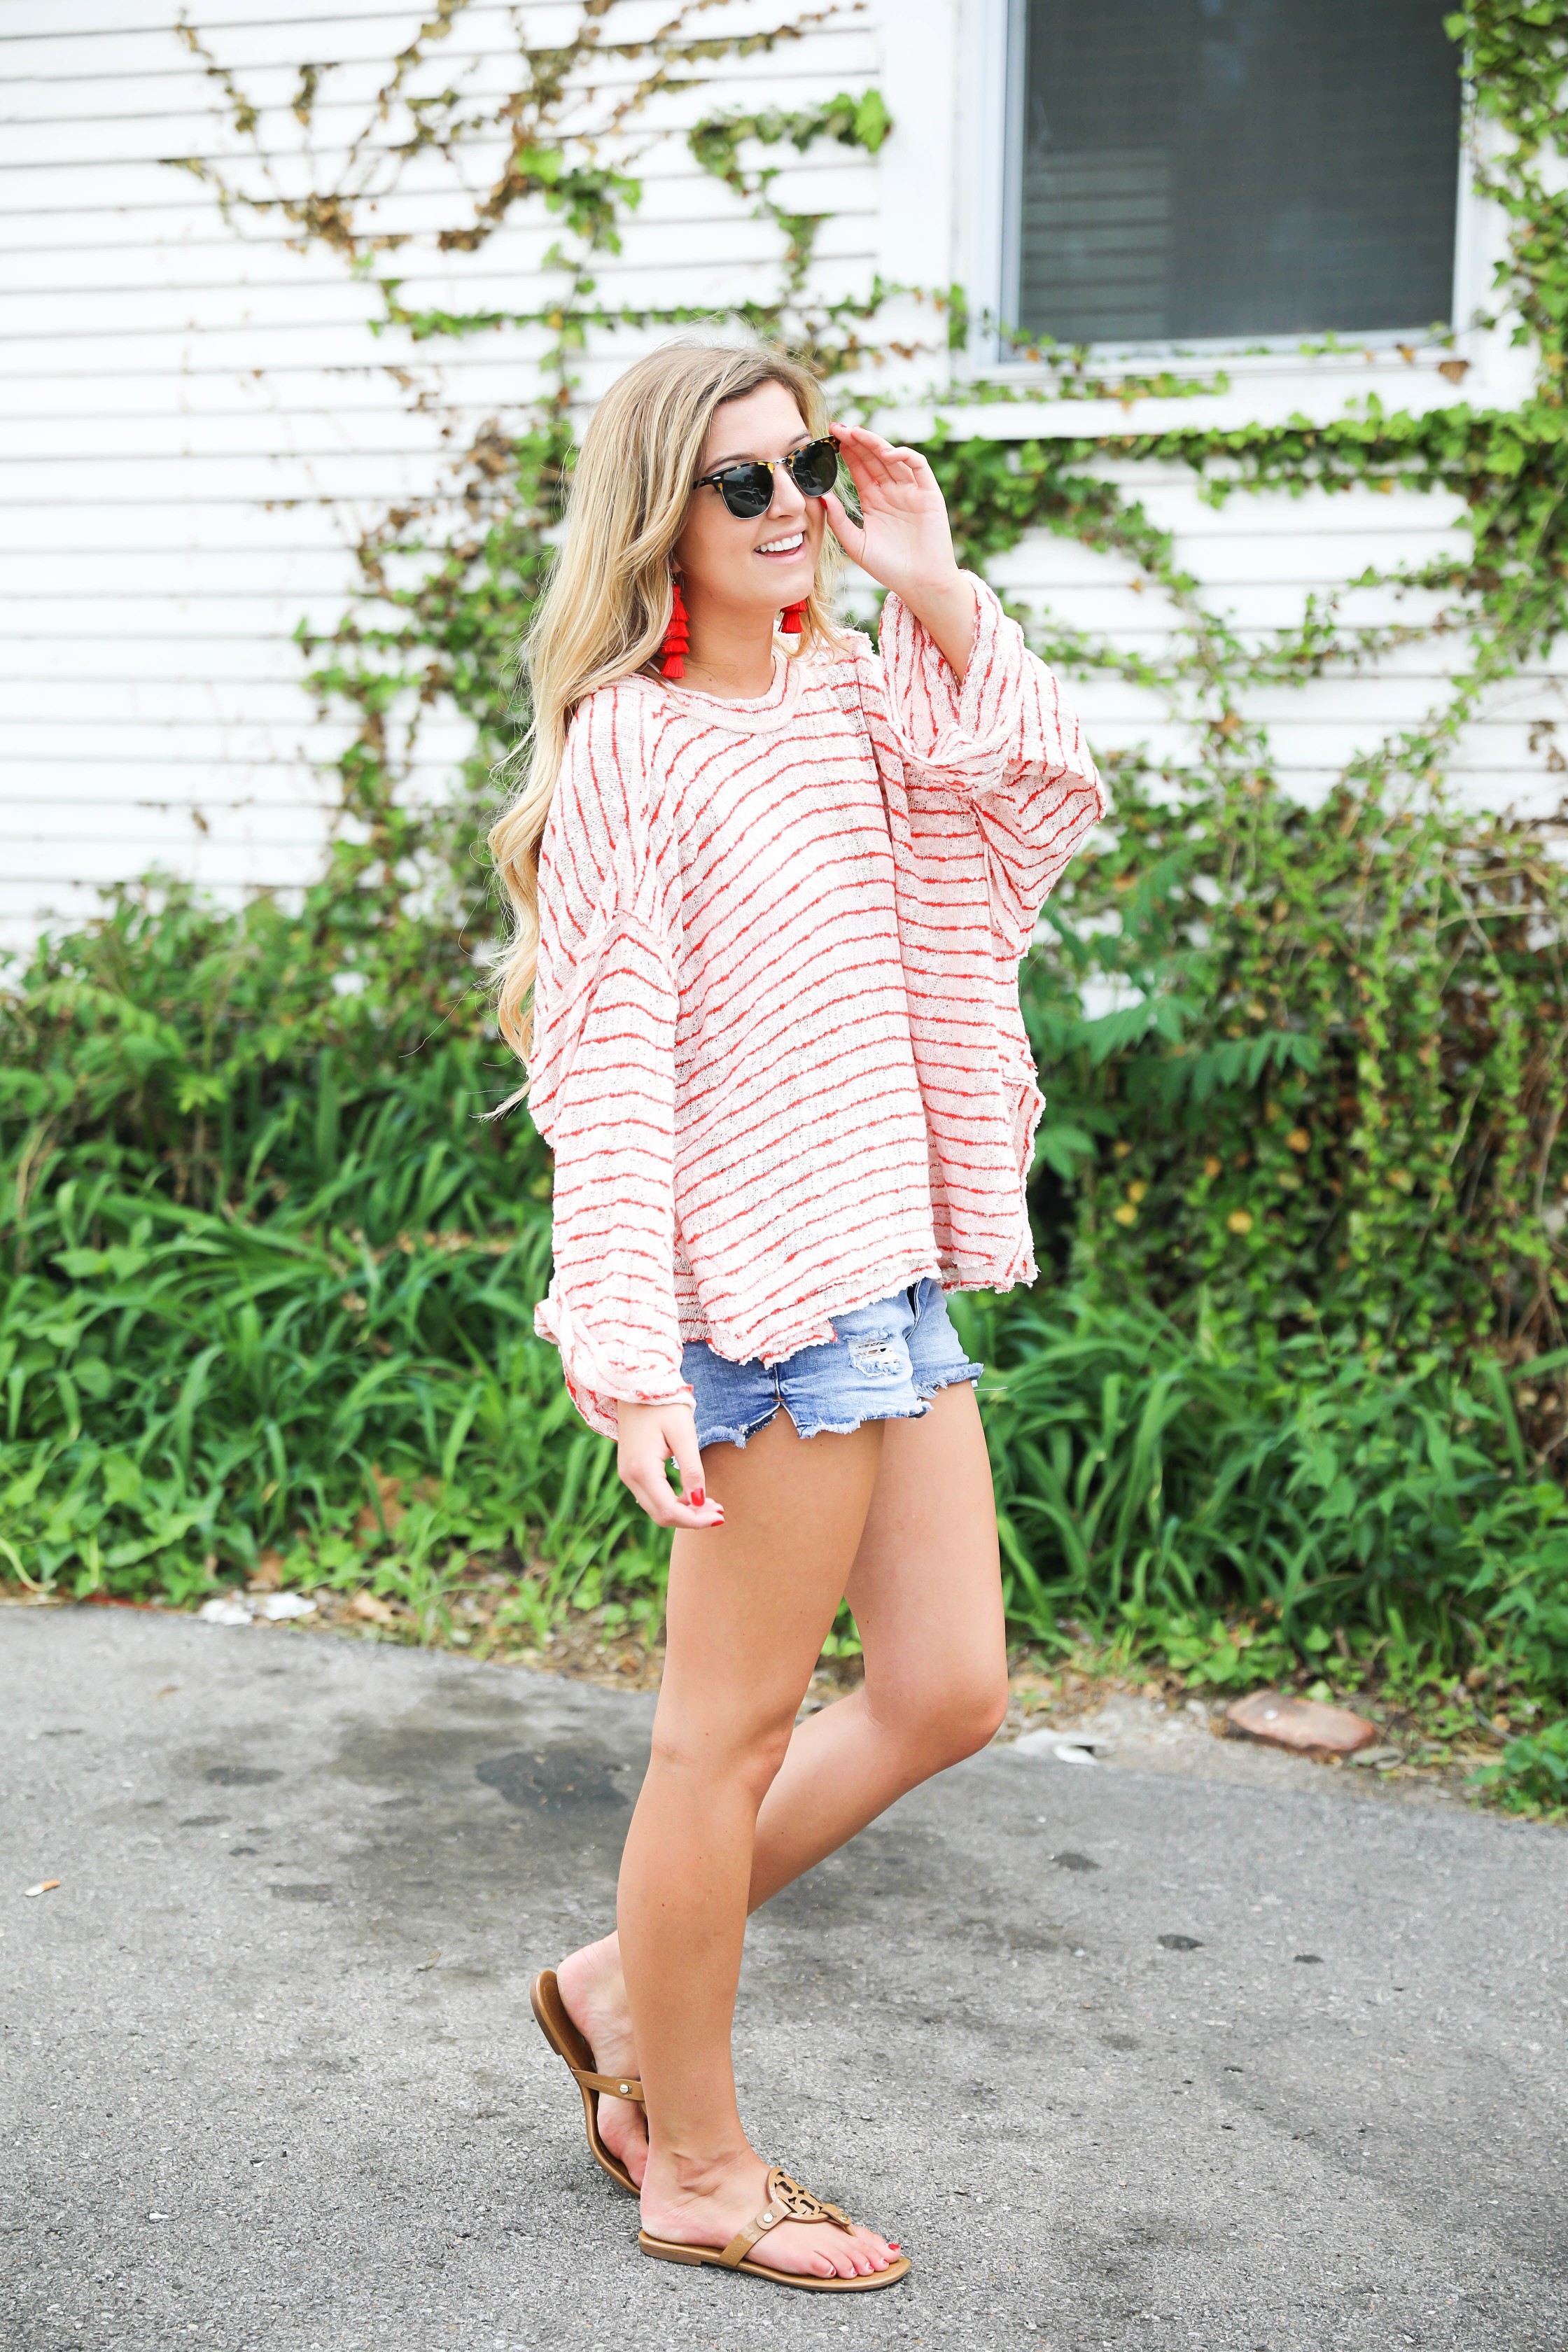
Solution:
(1274, 371)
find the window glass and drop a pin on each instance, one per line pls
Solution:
(1235, 168)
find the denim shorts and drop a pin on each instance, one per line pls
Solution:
(887, 1363)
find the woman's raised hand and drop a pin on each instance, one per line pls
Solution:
(903, 540)
(651, 1435)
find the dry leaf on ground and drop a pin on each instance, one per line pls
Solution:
(370, 1606)
(383, 1517)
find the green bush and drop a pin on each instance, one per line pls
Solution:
(268, 1268)
(270, 1273)
(1335, 1096)
(1291, 1391)
(1230, 1512)
(1530, 1776)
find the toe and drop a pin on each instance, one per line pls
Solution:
(798, 2246)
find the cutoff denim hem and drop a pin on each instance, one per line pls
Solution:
(888, 1362)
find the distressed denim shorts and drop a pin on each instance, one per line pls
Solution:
(887, 1363)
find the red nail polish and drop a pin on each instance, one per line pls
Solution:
(697, 1498)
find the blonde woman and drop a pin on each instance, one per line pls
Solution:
(770, 900)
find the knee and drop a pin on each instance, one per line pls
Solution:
(759, 1752)
(949, 1720)
(974, 1715)
(745, 1755)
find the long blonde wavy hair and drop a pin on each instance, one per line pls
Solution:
(607, 603)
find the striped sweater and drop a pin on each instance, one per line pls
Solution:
(778, 1053)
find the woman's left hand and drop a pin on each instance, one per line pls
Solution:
(902, 539)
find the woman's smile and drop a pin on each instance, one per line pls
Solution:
(790, 545)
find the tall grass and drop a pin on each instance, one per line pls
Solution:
(268, 1281)
(268, 1271)
(1152, 1480)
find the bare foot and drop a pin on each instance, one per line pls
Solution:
(714, 2214)
(595, 1994)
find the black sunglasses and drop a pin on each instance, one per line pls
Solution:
(748, 490)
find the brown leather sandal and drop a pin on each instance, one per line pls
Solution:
(787, 2202)
(564, 2037)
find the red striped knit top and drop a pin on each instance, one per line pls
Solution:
(778, 1053)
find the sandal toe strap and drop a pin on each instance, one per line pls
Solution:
(612, 2087)
(787, 2202)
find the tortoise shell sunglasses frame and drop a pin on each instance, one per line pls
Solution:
(747, 489)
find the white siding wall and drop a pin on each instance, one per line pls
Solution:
(199, 424)
(1257, 559)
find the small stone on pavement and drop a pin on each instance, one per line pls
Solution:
(1302, 1724)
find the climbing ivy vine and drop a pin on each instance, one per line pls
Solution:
(1330, 1102)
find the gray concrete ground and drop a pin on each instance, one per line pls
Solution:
(270, 2079)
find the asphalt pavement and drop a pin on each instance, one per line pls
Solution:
(1124, 2058)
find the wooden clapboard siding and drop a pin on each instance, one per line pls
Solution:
(199, 425)
(196, 425)
(1259, 558)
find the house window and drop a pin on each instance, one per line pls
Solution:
(1194, 169)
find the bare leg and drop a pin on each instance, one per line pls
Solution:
(926, 1593)
(748, 1609)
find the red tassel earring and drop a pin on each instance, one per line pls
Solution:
(677, 637)
(793, 619)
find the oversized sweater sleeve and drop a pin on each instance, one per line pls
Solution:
(601, 1086)
(1002, 750)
